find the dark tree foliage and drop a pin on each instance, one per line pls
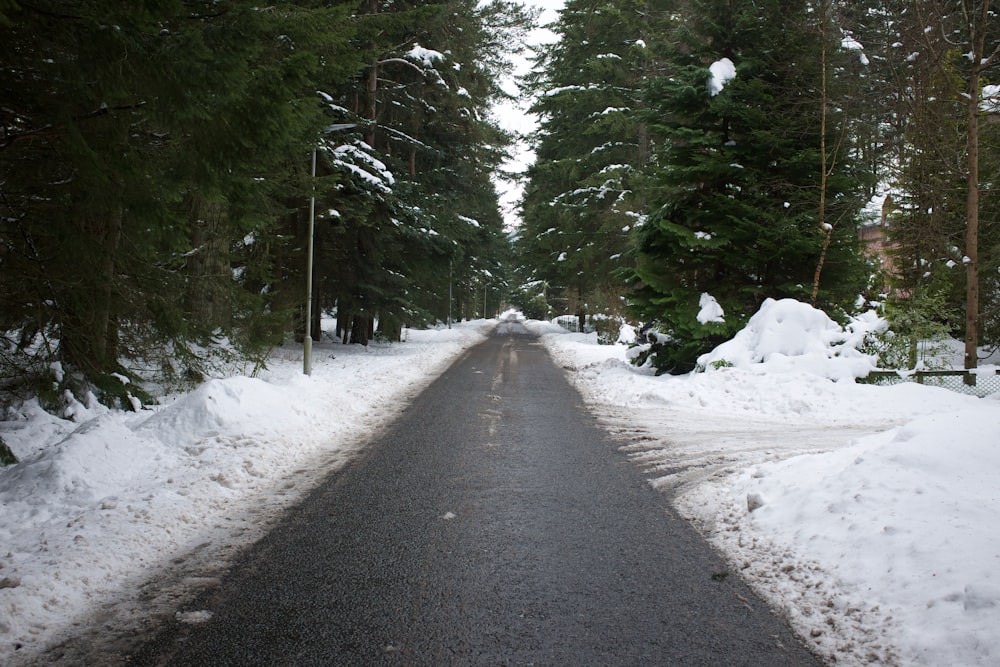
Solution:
(583, 194)
(409, 209)
(142, 143)
(154, 175)
(737, 174)
(744, 195)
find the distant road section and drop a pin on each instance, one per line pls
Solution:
(494, 523)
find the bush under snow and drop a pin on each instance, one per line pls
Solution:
(789, 336)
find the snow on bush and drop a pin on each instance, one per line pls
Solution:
(710, 310)
(789, 336)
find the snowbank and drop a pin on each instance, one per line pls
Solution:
(874, 509)
(902, 523)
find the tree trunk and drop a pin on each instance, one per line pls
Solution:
(826, 228)
(316, 330)
(87, 319)
(371, 108)
(208, 266)
(361, 329)
(343, 322)
(977, 34)
(391, 328)
(972, 229)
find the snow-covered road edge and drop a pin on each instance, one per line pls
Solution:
(873, 528)
(98, 506)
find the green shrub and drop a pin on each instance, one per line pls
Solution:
(6, 456)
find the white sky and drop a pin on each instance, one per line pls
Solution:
(514, 117)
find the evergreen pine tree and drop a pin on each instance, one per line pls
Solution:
(581, 199)
(142, 144)
(738, 176)
(415, 206)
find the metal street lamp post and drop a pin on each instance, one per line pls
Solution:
(307, 342)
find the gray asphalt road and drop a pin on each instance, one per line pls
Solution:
(493, 524)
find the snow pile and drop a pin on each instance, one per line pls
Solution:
(789, 336)
(865, 514)
(231, 406)
(81, 468)
(768, 368)
(902, 521)
(97, 506)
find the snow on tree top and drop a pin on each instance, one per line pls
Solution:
(723, 71)
(426, 56)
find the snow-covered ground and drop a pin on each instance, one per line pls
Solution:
(101, 503)
(874, 509)
(869, 515)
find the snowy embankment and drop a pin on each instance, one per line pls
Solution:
(868, 515)
(103, 502)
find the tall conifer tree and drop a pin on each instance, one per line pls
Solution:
(582, 196)
(738, 176)
(140, 143)
(415, 207)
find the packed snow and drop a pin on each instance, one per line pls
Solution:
(867, 515)
(783, 336)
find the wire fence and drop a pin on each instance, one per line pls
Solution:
(965, 382)
(572, 323)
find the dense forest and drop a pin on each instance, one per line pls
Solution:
(168, 167)
(162, 161)
(721, 152)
